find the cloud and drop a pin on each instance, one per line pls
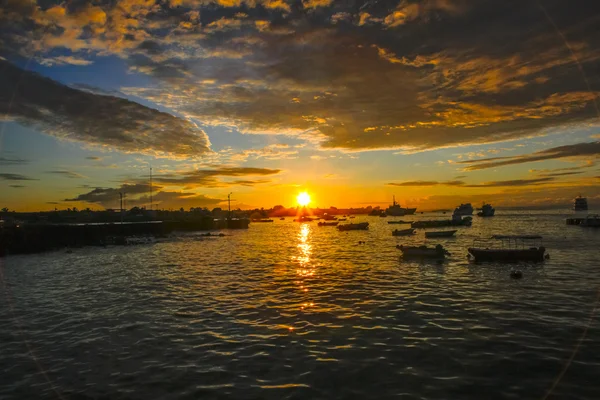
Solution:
(12, 161)
(139, 195)
(308, 4)
(271, 152)
(578, 150)
(66, 174)
(15, 177)
(107, 121)
(352, 76)
(106, 196)
(94, 158)
(208, 177)
(459, 183)
(62, 60)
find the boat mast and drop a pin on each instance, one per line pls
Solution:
(394, 200)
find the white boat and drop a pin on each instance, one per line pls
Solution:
(464, 209)
(580, 204)
(435, 234)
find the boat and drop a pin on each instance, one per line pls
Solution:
(351, 217)
(456, 220)
(328, 217)
(464, 209)
(437, 252)
(282, 219)
(513, 248)
(398, 222)
(435, 234)
(262, 220)
(328, 223)
(591, 221)
(397, 211)
(375, 212)
(580, 204)
(383, 215)
(344, 219)
(486, 211)
(304, 219)
(403, 232)
(354, 227)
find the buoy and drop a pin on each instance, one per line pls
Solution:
(516, 274)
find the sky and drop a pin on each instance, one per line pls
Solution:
(437, 102)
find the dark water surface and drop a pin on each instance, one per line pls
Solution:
(288, 310)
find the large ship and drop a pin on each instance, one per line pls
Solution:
(580, 204)
(464, 209)
(396, 211)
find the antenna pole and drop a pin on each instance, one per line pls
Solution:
(229, 205)
(150, 188)
(121, 197)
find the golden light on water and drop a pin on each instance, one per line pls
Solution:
(303, 199)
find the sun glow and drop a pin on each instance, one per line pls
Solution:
(303, 199)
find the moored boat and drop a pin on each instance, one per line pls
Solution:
(398, 222)
(397, 211)
(486, 211)
(464, 209)
(437, 252)
(403, 232)
(328, 223)
(354, 227)
(343, 219)
(513, 248)
(436, 234)
(304, 219)
(456, 220)
(591, 221)
(580, 204)
(262, 220)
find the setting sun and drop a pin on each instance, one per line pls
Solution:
(303, 199)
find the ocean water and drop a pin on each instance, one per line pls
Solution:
(290, 310)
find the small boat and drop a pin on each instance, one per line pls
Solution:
(486, 211)
(262, 220)
(398, 222)
(437, 252)
(328, 217)
(464, 209)
(304, 219)
(344, 219)
(282, 219)
(513, 248)
(351, 217)
(328, 223)
(456, 220)
(591, 221)
(436, 234)
(403, 232)
(354, 227)
(580, 204)
(375, 212)
(383, 215)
